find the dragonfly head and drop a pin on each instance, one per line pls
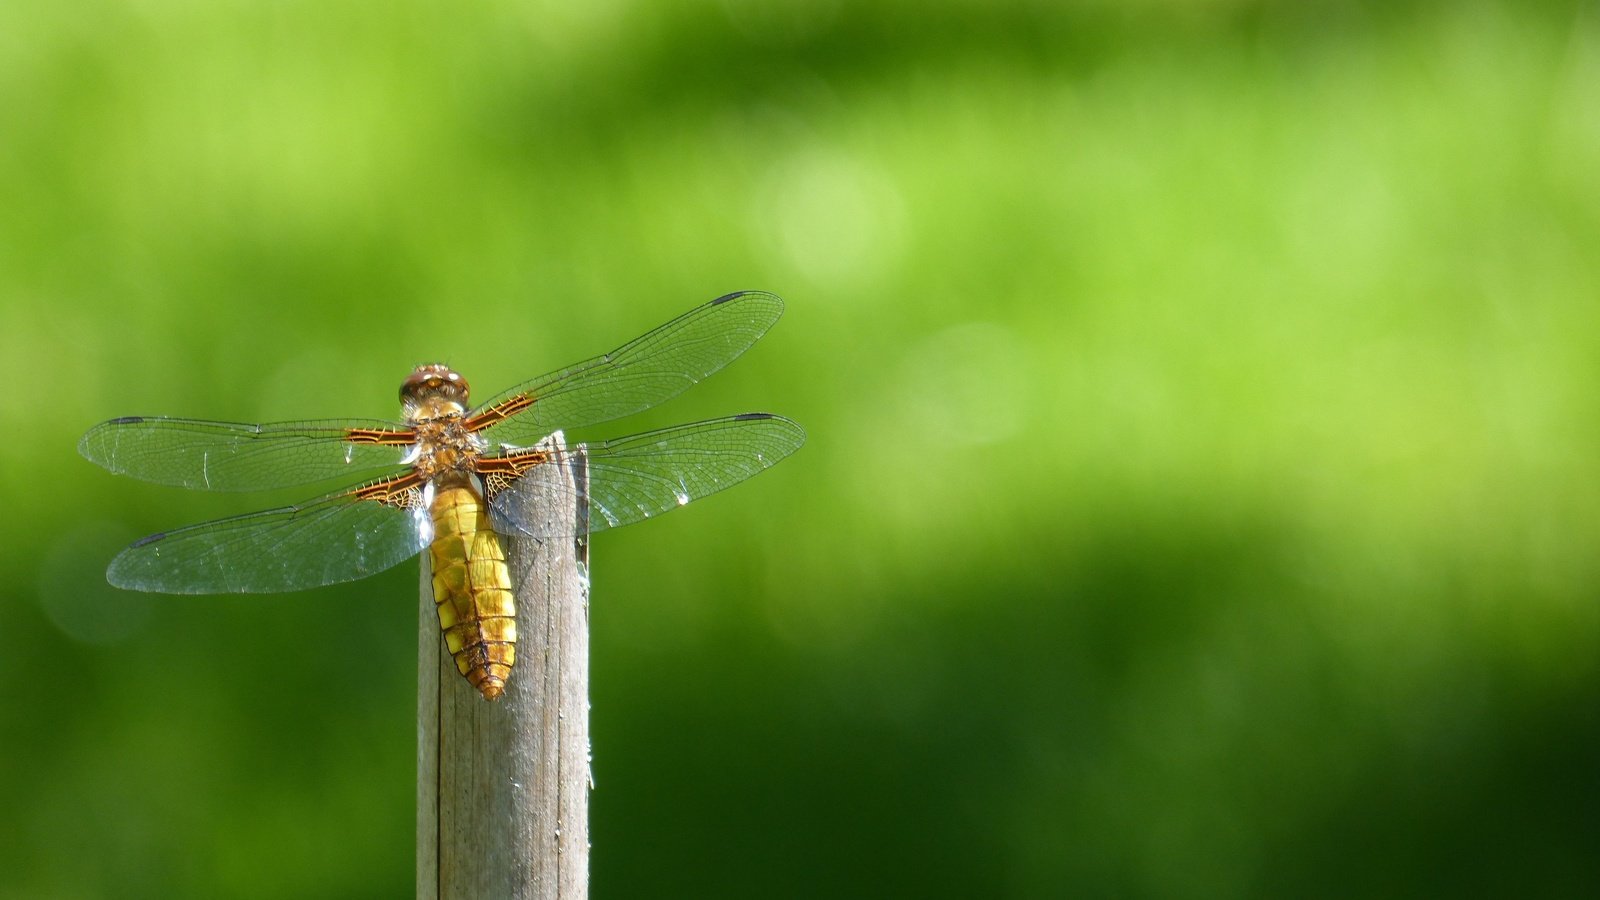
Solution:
(433, 386)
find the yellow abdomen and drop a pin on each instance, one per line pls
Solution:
(472, 589)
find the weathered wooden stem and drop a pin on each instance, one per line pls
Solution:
(503, 786)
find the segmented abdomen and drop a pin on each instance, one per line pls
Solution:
(472, 589)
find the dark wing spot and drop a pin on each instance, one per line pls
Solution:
(742, 417)
(126, 420)
(726, 297)
(148, 539)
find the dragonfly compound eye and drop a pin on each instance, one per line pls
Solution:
(434, 381)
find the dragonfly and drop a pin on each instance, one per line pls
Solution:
(450, 479)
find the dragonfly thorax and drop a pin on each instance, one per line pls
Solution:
(435, 404)
(444, 446)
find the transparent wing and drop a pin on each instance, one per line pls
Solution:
(636, 376)
(633, 478)
(228, 456)
(340, 537)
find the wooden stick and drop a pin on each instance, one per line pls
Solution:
(503, 786)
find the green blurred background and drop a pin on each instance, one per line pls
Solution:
(1201, 494)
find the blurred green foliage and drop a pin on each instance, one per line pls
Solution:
(1201, 498)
